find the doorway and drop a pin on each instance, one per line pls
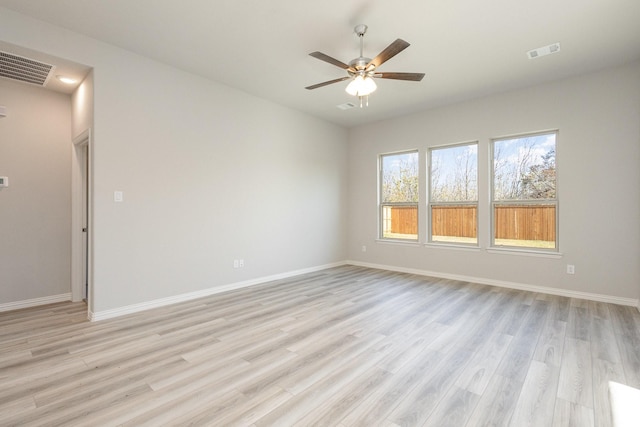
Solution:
(81, 219)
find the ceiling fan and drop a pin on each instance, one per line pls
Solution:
(362, 71)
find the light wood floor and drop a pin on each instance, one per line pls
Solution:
(341, 347)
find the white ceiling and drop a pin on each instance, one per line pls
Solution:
(466, 48)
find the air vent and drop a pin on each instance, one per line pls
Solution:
(24, 69)
(346, 106)
(545, 50)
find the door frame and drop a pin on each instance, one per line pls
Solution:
(81, 197)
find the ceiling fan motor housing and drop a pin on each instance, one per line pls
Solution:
(359, 64)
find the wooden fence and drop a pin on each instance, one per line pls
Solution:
(404, 220)
(458, 221)
(511, 222)
(526, 222)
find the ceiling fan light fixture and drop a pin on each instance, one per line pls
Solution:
(361, 86)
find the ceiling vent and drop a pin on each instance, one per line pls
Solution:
(16, 67)
(346, 106)
(543, 51)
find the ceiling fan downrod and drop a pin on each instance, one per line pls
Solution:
(361, 30)
(360, 64)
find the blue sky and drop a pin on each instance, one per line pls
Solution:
(513, 149)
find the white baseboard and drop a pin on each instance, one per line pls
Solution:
(134, 308)
(147, 305)
(504, 284)
(8, 306)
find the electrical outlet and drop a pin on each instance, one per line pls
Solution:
(241, 263)
(364, 248)
(571, 269)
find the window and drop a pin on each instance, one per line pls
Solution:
(453, 195)
(399, 196)
(524, 199)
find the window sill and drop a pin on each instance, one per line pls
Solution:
(525, 252)
(398, 242)
(453, 246)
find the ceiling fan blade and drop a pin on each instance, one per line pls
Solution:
(389, 52)
(326, 58)
(415, 77)
(341, 79)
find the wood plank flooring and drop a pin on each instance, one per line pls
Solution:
(347, 346)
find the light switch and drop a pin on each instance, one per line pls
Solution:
(118, 196)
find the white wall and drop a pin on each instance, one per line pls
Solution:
(82, 107)
(35, 240)
(209, 175)
(598, 157)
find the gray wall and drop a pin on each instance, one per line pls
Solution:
(35, 210)
(209, 174)
(598, 156)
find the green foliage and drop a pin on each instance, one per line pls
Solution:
(400, 179)
(540, 181)
(454, 174)
(523, 173)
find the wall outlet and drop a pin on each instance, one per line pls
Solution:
(241, 263)
(364, 248)
(571, 269)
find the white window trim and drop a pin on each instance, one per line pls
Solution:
(493, 248)
(512, 250)
(430, 203)
(382, 205)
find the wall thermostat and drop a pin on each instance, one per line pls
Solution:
(4, 181)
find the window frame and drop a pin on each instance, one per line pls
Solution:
(431, 203)
(382, 205)
(493, 203)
